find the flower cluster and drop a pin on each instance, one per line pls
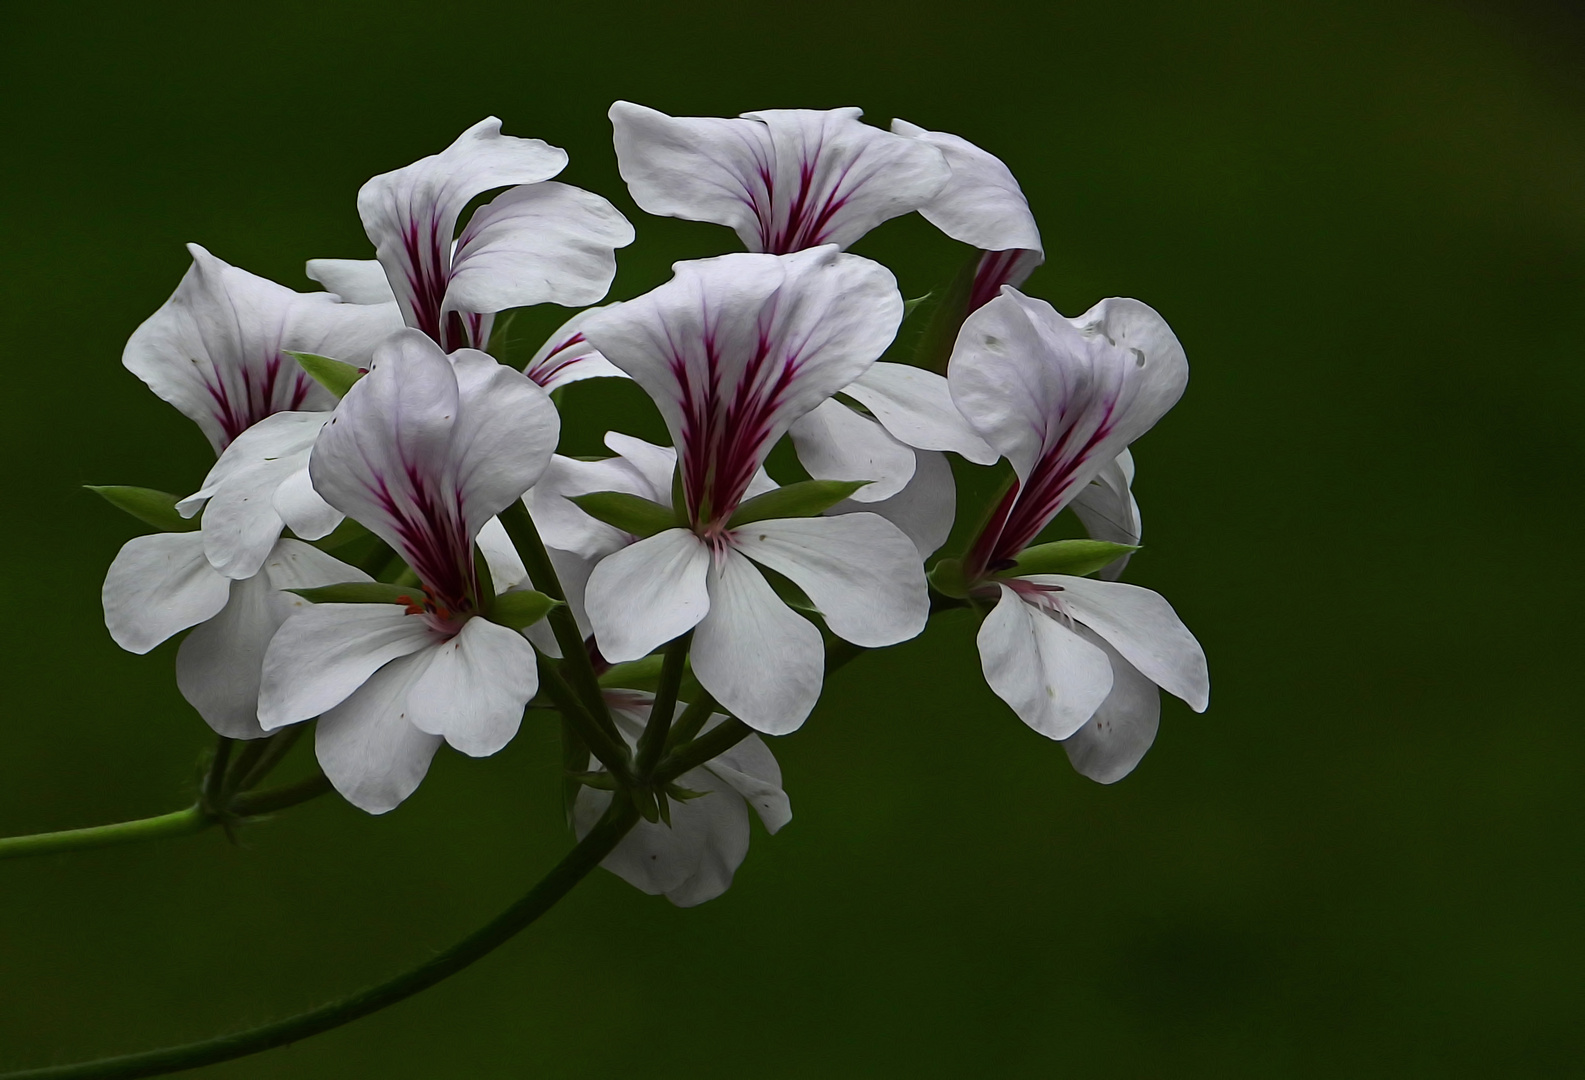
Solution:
(389, 546)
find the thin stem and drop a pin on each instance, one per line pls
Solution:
(612, 754)
(213, 791)
(278, 746)
(653, 742)
(691, 720)
(254, 803)
(718, 740)
(177, 823)
(573, 867)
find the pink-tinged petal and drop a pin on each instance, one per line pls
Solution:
(924, 510)
(411, 214)
(645, 595)
(1142, 626)
(220, 663)
(159, 585)
(537, 244)
(324, 652)
(568, 357)
(1059, 398)
(861, 571)
(981, 205)
(761, 660)
(734, 349)
(783, 179)
(998, 268)
(1116, 738)
(369, 750)
(354, 281)
(1050, 676)
(217, 348)
(1108, 511)
(475, 687)
(836, 443)
(916, 407)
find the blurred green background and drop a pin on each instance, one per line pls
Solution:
(1366, 222)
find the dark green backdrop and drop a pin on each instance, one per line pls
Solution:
(1366, 222)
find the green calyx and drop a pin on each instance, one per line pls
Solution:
(947, 578)
(520, 608)
(337, 376)
(1075, 558)
(360, 592)
(630, 513)
(804, 499)
(151, 507)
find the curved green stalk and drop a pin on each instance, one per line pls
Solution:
(177, 823)
(573, 867)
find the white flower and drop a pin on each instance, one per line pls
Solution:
(537, 242)
(217, 348)
(423, 451)
(692, 859)
(1062, 399)
(162, 584)
(733, 350)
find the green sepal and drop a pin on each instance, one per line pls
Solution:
(804, 499)
(337, 376)
(151, 507)
(360, 592)
(634, 675)
(910, 306)
(946, 578)
(520, 608)
(630, 513)
(682, 794)
(602, 780)
(1072, 557)
(644, 802)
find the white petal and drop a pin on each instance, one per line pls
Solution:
(562, 524)
(761, 660)
(656, 464)
(158, 585)
(924, 510)
(503, 438)
(474, 689)
(836, 443)
(981, 204)
(784, 179)
(355, 281)
(1050, 676)
(536, 244)
(645, 595)
(506, 567)
(751, 770)
(916, 407)
(367, 747)
(863, 574)
(241, 522)
(1115, 739)
(300, 506)
(1142, 626)
(567, 357)
(1108, 510)
(326, 651)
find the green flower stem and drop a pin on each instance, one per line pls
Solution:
(653, 742)
(691, 720)
(718, 740)
(213, 791)
(573, 867)
(273, 750)
(254, 803)
(612, 754)
(575, 656)
(178, 823)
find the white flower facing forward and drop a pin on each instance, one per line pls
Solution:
(693, 858)
(423, 451)
(733, 350)
(217, 349)
(537, 242)
(1061, 399)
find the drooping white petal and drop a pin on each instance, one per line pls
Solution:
(568, 357)
(500, 554)
(783, 179)
(369, 750)
(1049, 675)
(1115, 739)
(536, 244)
(326, 651)
(924, 510)
(981, 205)
(751, 770)
(916, 407)
(355, 281)
(1108, 510)
(861, 571)
(836, 443)
(761, 660)
(1142, 626)
(217, 348)
(646, 594)
(475, 687)
(158, 585)
(734, 349)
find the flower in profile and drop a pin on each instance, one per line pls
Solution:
(1077, 659)
(423, 451)
(733, 350)
(537, 242)
(693, 856)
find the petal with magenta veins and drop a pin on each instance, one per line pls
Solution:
(836, 443)
(158, 585)
(1051, 677)
(648, 593)
(370, 751)
(982, 204)
(567, 357)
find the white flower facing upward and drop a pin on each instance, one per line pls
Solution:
(692, 858)
(537, 242)
(733, 350)
(423, 451)
(1077, 659)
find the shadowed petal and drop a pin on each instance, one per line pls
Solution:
(1049, 675)
(369, 750)
(1116, 738)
